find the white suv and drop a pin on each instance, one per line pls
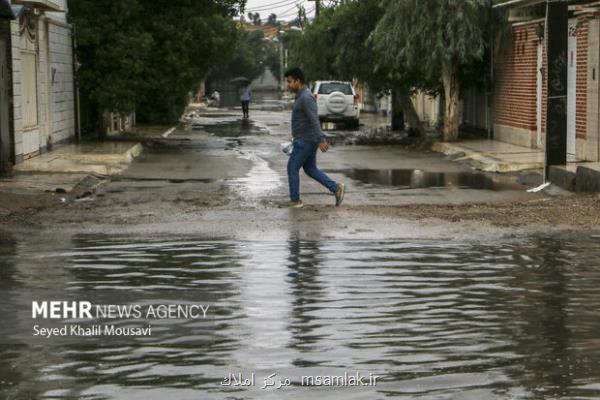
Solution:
(337, 102)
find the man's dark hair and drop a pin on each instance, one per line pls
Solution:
(295, 73)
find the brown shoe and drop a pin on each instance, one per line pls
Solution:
(295, 204)
(339, 195)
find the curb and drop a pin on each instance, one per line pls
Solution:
(482, 161)
(167, 133)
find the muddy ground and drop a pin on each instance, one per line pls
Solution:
(226, 176)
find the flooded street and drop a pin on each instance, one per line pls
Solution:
(299, 200)
(502, 319)
(433, 309)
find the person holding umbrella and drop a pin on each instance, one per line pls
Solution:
(245, 93)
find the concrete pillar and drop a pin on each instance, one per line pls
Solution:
(557, 28)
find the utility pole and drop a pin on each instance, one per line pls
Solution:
(281, 66)
(557, 28)
(317, 7)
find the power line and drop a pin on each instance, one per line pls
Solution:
(270, 6)
(292, 14)
(293, 9)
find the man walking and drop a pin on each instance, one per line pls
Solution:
(308, 138)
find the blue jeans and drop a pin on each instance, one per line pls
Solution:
(304, 155)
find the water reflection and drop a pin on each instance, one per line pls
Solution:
(8, 250)
(307, 291)
(435, 319)
(419, 179)
(263, 101)
(230, 128)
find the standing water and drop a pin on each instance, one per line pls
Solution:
(508, 319)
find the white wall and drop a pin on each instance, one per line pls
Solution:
(62, 93)
(17, 98)
(55, 86)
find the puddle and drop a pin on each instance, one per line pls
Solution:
(259, 181)
(232, 127)
(419, 179)
(263, 101)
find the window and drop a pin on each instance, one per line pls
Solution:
(328, 88)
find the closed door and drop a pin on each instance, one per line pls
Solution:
(572, 89)
(29, 98)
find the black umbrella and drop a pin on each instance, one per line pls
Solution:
(240, 79)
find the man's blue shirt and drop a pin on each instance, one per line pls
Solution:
(305, 118)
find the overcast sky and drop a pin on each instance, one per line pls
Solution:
(285, 9)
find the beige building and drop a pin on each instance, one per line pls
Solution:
(41, 88)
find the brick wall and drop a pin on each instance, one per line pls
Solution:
(515, 80)
(515, 85)
(582, 64)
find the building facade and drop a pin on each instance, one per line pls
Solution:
(520, 92)
(6, 139)
(42, 88)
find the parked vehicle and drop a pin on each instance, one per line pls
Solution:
(337, 102)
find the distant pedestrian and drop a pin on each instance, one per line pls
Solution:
(245, 96)
(307, 139)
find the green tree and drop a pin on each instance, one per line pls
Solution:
(355, 57)
(314, 50)
(338, 46)
(190, 37)
(113, 51)
(272, 20)
(147, 55)
(438, 38)
(255, 18)
(247, 59)
(301, 19)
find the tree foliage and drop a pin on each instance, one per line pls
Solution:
(314, 51)
(247, 59)
(337, 45)
(147, 55)
(425, 34)
(272, 20)
(255, 18)
(436, 46)
(439, 38)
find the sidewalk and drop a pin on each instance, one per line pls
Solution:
(577, 177)
(493, 155)
(103, 158)
(69, 172)
(496, 156)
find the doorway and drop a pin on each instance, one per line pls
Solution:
(572, 89)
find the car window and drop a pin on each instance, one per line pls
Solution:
(328, 88)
